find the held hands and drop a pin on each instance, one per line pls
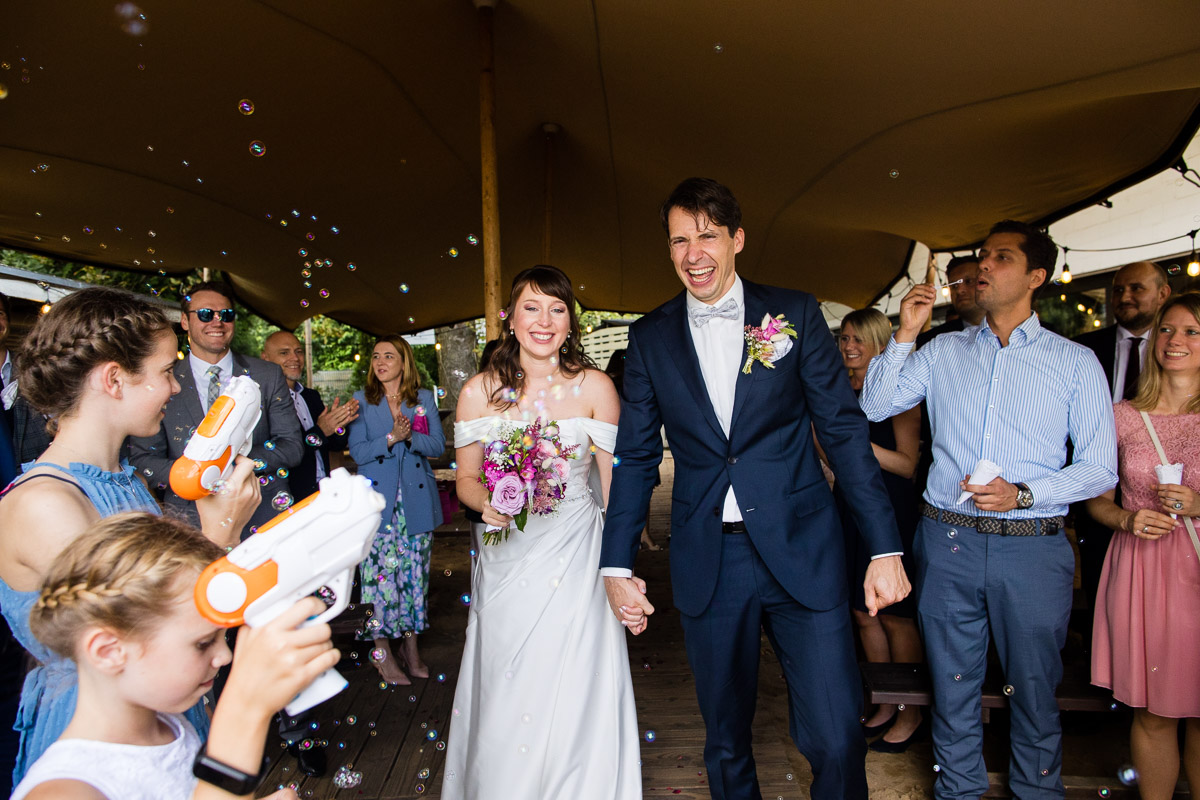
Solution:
(223, 514)
(627, 599)
(337, 416)
(915, 309)
(885, 583)
(273, 663)
(999, 495)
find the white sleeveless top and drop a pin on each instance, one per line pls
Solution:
(122, 771)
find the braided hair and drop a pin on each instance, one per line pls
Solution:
(124, 573)
(80, 332)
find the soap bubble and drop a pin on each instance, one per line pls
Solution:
(651, 736)
(304, 304)
(431, 735)
(503, 314)
(281, 472)
(258, 149)
(441, 677)
(894, 173)
(282, 501)
(259, 465)
(302, 252)
(269, 444)
(351, 720)
(378, 655)
(472, 239)
(309, 236)
(372, 626)
(351, 267)
(404, 288)
(327, 596)
(718, 48)
(452, 252)
(1127, 775)
(465, 599)
(312, 440)
(324, 293)
(246, 106)
(1103, 791)
(424, 773)
(1008, 690)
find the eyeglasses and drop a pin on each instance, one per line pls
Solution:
(207, 314)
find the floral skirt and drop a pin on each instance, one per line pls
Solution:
(395, 578)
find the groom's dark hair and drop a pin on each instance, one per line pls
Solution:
(704, 196)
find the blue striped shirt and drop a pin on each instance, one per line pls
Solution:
(1014, 405)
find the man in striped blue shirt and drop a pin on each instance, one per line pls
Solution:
(1013, 393)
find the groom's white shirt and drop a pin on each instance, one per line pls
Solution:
(719, 344)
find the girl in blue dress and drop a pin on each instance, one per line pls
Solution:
(99, 364)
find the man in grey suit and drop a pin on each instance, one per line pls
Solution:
(208, 318)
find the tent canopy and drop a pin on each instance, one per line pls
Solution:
(846, 130)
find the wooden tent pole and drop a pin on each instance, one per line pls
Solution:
(308, 357)
(551, 130)
(488, 176)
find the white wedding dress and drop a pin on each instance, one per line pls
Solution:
(544, 704)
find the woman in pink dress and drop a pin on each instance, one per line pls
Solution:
(1146, 645)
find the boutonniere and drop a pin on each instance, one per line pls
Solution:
(769, 342)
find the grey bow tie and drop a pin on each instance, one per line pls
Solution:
(701, 315)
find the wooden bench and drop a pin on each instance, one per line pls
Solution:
(910, 684)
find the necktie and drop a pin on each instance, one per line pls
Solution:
(701, 315)
(214, 386)
(1133, 368)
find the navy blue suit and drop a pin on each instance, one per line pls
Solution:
(787, 574)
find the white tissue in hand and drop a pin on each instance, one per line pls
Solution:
(984, 473)
(1170, 473)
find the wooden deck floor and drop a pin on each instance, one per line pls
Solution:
(395, 736)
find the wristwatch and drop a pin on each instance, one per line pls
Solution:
(223, 776)
(1024, 496)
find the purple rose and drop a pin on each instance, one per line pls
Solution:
(509, 495)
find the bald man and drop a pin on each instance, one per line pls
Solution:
(1139, 290)
(324, 428)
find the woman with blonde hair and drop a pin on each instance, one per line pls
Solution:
(896, 442)
(397, 431)
(99, 364)
(1146, 636)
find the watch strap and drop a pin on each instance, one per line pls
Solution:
(222, 775)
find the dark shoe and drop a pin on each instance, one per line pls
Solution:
(311, 761)
(882, 745)
(875, 730)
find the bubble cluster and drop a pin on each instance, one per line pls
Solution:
(345, 779)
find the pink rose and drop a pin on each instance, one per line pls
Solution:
(559, 468)
(509, 495)
(772, 326)
(546, 449)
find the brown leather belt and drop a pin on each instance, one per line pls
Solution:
(1044, 526)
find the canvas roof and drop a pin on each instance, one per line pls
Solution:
(848, 130)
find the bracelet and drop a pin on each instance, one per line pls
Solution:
(222, 775)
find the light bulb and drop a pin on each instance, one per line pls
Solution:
(1066, 275)
(1095, 323)
(1194, 268)
(45, 308)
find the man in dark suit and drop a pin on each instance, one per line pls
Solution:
(1139, 290)
(756, 542)
(962, 298)
(324, 428)
(208, 318)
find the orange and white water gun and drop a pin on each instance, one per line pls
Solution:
(311, 548)
(226, 432)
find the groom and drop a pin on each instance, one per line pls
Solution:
(756, 541)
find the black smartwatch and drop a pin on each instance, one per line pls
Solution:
(1024, 496)
(223, 776)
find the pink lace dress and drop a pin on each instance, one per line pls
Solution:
(1146, 644)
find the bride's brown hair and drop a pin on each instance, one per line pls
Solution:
(504, 373)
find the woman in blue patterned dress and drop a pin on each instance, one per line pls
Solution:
(99, 363)
(395, 435)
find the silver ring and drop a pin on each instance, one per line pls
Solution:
(1178, 505)
(1146, 529)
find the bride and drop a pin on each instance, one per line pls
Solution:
(544, 704)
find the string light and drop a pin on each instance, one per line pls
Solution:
(1066, 270)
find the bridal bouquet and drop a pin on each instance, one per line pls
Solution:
(525, 471)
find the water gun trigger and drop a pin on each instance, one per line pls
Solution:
(340, 587)
(225, 590)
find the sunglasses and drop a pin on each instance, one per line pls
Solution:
(207, 314)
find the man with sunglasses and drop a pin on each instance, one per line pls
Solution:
(209, 320)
